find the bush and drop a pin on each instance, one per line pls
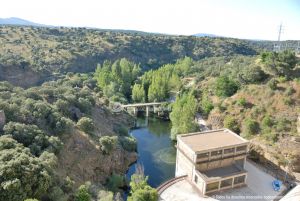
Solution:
(129, 143)
(86, 124)
(206, 105)
(115, 182)
(105, 196)
(242, 102)
(82, 194)
(272, 84)
(289, 91)
(140, 190)
(120, 129)
(288, 101)
(232, 124)
(270, 136)
(267, 121)
(250, 127)
(225, 86)
(108, 143)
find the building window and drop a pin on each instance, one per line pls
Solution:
(196, 179)
(216, 153)
(229, 151)
(202, 155)
(240, 179)
(226, 183)
(212, 186)
(241, 148)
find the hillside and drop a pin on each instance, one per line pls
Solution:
(58, 136)
(40, 53)
(257, 97)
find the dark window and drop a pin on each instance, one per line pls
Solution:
(203, 155)
(216, 153)
(241, 148)
(228, 151)
(240, 179)
(226, 183)
(196, 179)
(212, 186)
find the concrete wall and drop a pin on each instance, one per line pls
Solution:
(184, 160)
(183, 165)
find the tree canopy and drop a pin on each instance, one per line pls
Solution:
(183, 115)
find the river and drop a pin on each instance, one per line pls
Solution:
(157, 153)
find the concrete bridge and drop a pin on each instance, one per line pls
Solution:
(140, 106)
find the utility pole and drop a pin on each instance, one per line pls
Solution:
(277, 47)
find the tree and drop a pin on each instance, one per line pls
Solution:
(225, 86)
(82, 194)
(183, 115)
(86, 124)
(108, 143)
(22, 174)
(251, 127)
(232, 124)
(140, 190)
(279, 64)
(272, 83)
(253, 74)
(206, 105)
(138, 93)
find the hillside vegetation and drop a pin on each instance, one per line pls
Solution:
(55, 137)
(40, 52)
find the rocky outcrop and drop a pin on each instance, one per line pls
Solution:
(82, 160)
(275, 162)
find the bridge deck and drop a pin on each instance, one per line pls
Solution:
(142, 104)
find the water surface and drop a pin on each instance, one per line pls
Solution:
(156, 151)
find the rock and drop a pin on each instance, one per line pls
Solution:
(2, 119)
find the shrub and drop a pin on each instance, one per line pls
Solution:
(120, 129)
(82, 194)
(272, 84)
(105, 196)
(86, 124)
(232, 124)
(108, 143)
(242, 102)
(250, 127)
(288, 101)
(267, 121)
(271, 136)
(225, 86)
(289, 91)
(206, 105)
(115, 182)
(140, 190)
(129, 143)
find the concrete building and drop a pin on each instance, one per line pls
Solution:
(212, 160)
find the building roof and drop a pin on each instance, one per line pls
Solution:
(213, 139)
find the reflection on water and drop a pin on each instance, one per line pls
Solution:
(156, 151)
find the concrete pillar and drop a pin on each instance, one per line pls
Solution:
(147, 111)
(135, 110)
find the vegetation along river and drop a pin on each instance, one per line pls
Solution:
(156, 150)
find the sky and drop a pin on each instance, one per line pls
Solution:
(248, 19)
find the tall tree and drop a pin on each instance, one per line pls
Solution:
(183, 115)
(138, 93)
